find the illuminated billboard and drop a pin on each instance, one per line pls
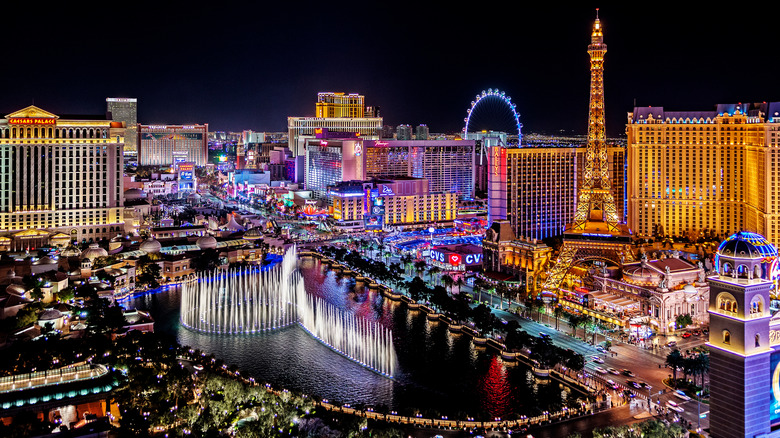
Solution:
(774, 404)
(375, 217)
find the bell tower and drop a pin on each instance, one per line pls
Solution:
(739, 340)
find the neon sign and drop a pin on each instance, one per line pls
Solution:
(32, 121)
(473, 259)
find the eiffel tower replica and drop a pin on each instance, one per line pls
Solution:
(596, 233)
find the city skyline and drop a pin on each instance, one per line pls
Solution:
(250, 67)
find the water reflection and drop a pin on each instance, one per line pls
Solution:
(438, 372)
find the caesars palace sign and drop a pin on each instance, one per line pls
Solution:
(32, 121)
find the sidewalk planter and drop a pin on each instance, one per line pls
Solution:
(455, 328)
(541, 372)
(509, 355)
(479, 341)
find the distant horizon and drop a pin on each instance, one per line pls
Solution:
(250, 66)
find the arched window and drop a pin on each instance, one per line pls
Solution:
(726, 337)
(758, 340)
(727, 303)
(756, 306)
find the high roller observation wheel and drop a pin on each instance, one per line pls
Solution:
(491, 93)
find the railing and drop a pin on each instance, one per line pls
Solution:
(38, 379)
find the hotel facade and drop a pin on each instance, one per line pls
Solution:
(59, 175)
(166, 145)
(693, 173)
(535, 188)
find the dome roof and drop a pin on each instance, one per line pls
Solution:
(747, 245)
(70, 251)
(150, 245)
(206, 242)
(15, 289)
(253, 234)
(50, 315)
(94, 251)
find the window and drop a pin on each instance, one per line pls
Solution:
(726, 337)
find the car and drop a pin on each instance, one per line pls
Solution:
(629, 393)
(632, 384)
(674, 406)
(597, 359)
(681, 395)
(600, 370)
(198, 367)
(696, 333)
(686, 335)
(627, 372)
(543, 335)
(600, 349)
(613, 371)
(612, 383)
(671, 344)
(645, 385)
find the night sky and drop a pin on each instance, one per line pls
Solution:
(250, 67)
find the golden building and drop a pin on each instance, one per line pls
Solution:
(340, 105)
(400, 202)
(692, 173)
(59, 174)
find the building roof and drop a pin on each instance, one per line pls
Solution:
(745, 244)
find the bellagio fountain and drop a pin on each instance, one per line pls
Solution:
(251, 300)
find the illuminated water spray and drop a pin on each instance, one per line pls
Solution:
(248, 300)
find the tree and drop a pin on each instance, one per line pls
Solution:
(148, 273)
(558, 312)
(682, 321)
(420, 266)
(448, 282)
(207, 260)
(674, 360)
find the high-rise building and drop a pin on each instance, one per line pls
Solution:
(399, 202)
(448, 165)
(535, 188)
(59, 173)
(330, 161)
(421, 132)
(166, 145)
(125, 110)
(403, 132)
(337, 112)
(340, 105)
(705, 172)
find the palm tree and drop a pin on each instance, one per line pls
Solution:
(557, 312)
(447, 281)
(406, 261)
(420, 266)
(476, 289)
(675, 361)
(460, 282)
(433, 271)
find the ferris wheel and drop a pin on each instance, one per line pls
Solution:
(492, 110)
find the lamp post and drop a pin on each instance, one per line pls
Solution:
(698, 411)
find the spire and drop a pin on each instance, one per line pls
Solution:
(597, 37)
